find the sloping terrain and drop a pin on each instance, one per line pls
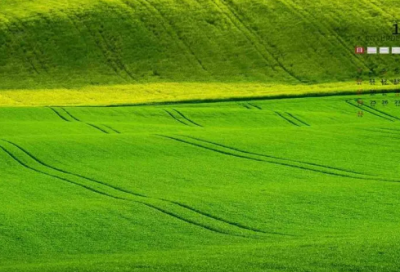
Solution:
(279, 185)
(67, 44)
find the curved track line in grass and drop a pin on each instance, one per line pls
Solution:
(191, 221)
(392, 129)
(28, 47)
(29, 154)
(120, 198)
(59, 115)
(274, 157)
(114, 197)
(91, 125)
(303, 14)
(116, 131)
(294, 117)
(287, 164)
(255, 106)
(369, 111)
(25, 58)
(246, 106)
(224, 220)
(98, 128)
(70, 115)
(187, 119)
(103, 48)
(382, 112)
(57, 177)
(209, 216)
(255, 40)
(287, 119)
(176, 119)
(169, 29)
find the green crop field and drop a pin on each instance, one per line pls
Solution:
(198, 135)
(280, 185)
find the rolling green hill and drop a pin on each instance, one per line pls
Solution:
(277, 185)
(68, 44)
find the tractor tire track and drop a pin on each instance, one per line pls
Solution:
(118, 198)
(224, 220)
(98, 128)
(371, 112)
(255, 40)
(287, 164)
(255, 106)
(305, 15)
(277, 158)
(70, 173)
(21, 25)
(70, 115)
(294, 117)
(167, 26)
(59, 115)
(106, 185)
(102, 48)
(57, 177)
(287, 119)
(176, 119)
(116, 131)
(26, 58)
(91, 125)
(187, 119)
(191, 221)
(382, 112)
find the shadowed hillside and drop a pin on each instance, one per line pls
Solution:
(76, 43)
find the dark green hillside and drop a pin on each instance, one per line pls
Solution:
(74, 43)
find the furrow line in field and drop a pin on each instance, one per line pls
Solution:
(166, 29)
(25, 57)
(176, 119)
(98, 128)
(190, 221)
(102, 48)
(55, 176)
(59, 115)
(36, 159)
(371, 112)
(382, 112)
(121, 190)
(109, 195)
(224, 220)
(287, 164)
(287, 119)
(296, 118)
(115, 197)
(187, 119)
(255, 106)
(21, 25)
(392, 129)
(251, 35)
(70, 115)
(116, 131)
(277, 158)
(246, 106)
(154, 11)
(319, 26)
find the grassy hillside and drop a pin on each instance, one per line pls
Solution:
(285, 185)
(67, 44)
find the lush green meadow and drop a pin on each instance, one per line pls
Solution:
(268, 185)
(198, 135)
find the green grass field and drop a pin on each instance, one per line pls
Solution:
(272, 185)
(198, 135)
